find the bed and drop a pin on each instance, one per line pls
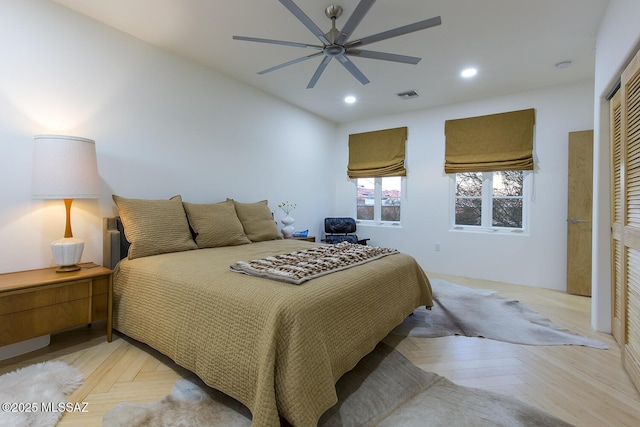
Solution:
(276, 347)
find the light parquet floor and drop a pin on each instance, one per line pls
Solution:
(584, 386)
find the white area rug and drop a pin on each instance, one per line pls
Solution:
(29, 394)
(460, 310)
(385, 390)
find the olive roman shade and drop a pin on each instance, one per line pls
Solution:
(377, 154)
(495, 142)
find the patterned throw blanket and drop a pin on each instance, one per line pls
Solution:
(300, 266)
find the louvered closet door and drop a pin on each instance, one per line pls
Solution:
(630, 102)
(617, 250)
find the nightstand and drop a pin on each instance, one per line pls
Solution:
(308, 239)
(39, 302)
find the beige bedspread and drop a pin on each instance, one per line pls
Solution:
(277, 348)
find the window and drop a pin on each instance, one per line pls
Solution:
(490, 200)
(378, 200)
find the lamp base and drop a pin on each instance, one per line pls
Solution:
(67, 252)
(67, 268)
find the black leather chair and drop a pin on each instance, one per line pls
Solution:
(341, 229)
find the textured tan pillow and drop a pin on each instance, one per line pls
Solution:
(216, 224)
(257, 221)
(154, 226)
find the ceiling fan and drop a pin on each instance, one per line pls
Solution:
(336, 44)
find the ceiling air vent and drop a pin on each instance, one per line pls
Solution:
(408, 95)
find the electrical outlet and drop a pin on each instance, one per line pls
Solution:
(437, 246)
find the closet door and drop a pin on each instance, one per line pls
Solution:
(630, 101)
(579, 212)
(617, 266)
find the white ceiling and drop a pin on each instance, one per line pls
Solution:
(513, 43)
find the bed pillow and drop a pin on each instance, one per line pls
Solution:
(154, 226)
(257, 221)
(216, 224)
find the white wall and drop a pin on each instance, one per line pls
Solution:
(536, 259)
(618, 40)
(162, 125)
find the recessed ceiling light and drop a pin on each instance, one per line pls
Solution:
(469, 72)
(350, 99)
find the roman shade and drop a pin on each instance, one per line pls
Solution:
(377, 154)
(495, 142)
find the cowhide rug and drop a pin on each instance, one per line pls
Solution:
(460, 310)
(31, 394)
(384, 389)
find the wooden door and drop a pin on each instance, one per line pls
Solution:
(580, 202)
(617, 214)
(630, 256)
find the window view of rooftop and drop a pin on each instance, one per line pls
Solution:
(389, 199)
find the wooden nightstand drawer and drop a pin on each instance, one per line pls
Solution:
(22, 325)
(39, 302)
(20, 300)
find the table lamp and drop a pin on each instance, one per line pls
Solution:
(65, 167)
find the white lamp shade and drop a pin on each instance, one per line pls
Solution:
(65, 167)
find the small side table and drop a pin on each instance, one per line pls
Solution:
(39, 302)
(308, 239)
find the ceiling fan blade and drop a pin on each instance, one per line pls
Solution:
(295, 61)
(353, 21)
(293, 8)
(285, 43)
(319, 72)
(384, 56)
(422, 25)
(351, 67)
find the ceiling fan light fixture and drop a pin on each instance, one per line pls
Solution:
(333, 50)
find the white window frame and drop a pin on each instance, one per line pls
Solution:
(377, 206)
(487, 204)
